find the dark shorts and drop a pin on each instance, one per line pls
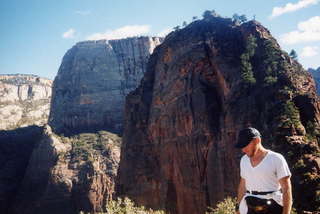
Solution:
(262, 206)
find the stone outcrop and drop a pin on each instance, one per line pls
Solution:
(316, 75)
(203, 84)
(69, 174)
(24, 100)
(92, 82)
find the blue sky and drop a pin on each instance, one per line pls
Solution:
(35, 34)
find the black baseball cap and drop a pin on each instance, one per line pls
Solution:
(245, 136)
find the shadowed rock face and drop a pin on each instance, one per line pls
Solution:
(24, 101)
(15, 150)
(69, 174)
(182, 121)
(93, 80)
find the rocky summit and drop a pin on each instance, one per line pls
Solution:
(203, 84)
(24, 100)
(92, 82)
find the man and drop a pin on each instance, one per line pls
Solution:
(265, 185)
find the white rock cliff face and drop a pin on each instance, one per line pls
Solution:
(93, 80)
(24, 100)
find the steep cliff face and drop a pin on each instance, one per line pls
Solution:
(316, 75)
(24, 100)
(69, 174)
(93, 80)
(203, 84)
(15, 150)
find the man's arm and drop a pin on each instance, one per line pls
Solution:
(287, 194)
(241, 190)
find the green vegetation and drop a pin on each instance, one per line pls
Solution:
(209, 14)
(86, 146)
(239, 19)
(293, 54)
(246, 66)
(228, 206)
(271, 63)
(289, 115)
(126, 206)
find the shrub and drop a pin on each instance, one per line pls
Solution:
(228, 206)
(126, 206)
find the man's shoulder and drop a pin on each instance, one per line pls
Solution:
(276, 155)
(244, 158)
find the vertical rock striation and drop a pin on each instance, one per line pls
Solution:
(93, 80)
(24, 100)
(203, 84)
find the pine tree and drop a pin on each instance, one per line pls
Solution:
(293, 54)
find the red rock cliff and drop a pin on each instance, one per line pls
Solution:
(203, 84)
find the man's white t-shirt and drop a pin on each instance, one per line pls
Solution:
(265, 176)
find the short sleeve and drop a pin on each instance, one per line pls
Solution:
(282, 167)
(242, 170)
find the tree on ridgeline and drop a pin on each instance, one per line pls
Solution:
(293, 54)
(184, 23)
(176, 28)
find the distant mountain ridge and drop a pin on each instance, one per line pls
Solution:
(316, 75)
(24, 100)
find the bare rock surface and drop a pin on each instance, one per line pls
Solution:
(93, 80)
(24, 100)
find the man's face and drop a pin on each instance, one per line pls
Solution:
(249, 150)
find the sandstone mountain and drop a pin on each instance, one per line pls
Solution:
(67, 175)
(76, 172)
(24, 100)
(203, 84)
(316, 75)
(93, 80)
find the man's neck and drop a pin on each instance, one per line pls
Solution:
(259, 153)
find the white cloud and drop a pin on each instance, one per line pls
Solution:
(83, 12)
(309, 51)
(308, 31)
(123, 32)
(69, 34)
(290, 7)
(165, 32)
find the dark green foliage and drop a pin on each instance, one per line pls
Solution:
(272, 63)
(209, 14)
(184, 24)
(88, 145)
(239, 19)
(176, 28)
(289, 115)
(246, 66)
(293, 54)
